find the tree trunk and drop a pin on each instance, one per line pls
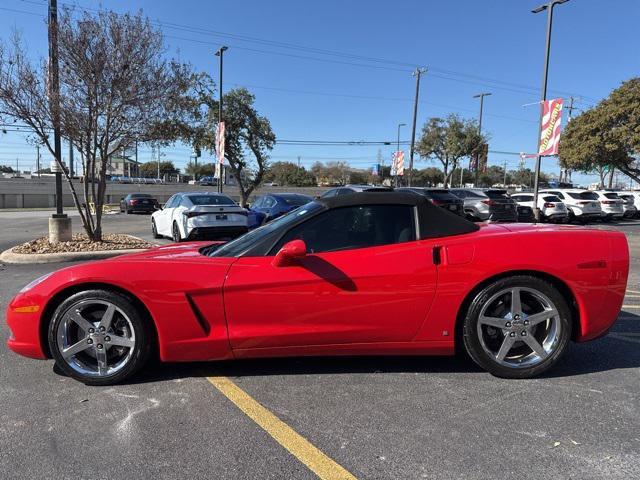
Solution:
(610, 183)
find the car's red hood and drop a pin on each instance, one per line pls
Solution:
(167, 252)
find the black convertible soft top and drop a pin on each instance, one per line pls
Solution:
(434, 221)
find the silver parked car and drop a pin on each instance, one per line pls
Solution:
(487, 204)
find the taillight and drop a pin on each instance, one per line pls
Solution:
(133, 202)
(549, 205)
(608, 202)
(584, 203)
(489, 202)
(436, 202)
(189, 214)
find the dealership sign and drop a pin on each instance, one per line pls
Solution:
(397, 167)
(550, 131)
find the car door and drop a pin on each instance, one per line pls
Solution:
(365, 280)
(163, 218)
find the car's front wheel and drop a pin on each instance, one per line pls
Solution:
(154, 229)
(517, 327)
(99, 337)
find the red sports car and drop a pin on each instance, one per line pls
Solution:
(364, 274)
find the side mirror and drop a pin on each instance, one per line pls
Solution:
(289, 253)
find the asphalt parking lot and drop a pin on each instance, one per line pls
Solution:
(374, 418)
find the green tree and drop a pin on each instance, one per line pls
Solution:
(5, 169)
(427, 177)
(200, 170)
(289, 174)
(449, 140)
(117, 87)
(150, 169)
(606, 137)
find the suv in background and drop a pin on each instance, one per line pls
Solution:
(612, 205)
(630, 209)
(441, 197)
(582, 205)
(347, 189)
(551, 207)
(490, 204)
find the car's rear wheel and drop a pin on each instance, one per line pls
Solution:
(175, 233)
(517, 327)
(99, 337)
(154, 229)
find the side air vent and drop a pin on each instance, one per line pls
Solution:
(206, 328)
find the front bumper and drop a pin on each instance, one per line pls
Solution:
(24, 325)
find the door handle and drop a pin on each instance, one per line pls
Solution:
(437, 255)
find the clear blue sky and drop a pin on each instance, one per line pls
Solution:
(470, 46)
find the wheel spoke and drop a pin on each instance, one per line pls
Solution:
(535, 346)
(101, 357)
(493, 321)
(107, 318)
(507, 343)
(82, 322)
(516, 305)
(75, 348)
(121, 341)
(541, 317)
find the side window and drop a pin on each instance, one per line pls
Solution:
(345, 191)
(355, 227)
(258, 202)
(170, 202)
(184, 202)
(559, 194)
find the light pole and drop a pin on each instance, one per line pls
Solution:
(400, 125)
(417, 73)
(220, 54)
(481, 97)
(549, 8)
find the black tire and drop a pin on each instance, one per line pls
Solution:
(137, 355)
(175, 233)
(477, 347)
(154, 229)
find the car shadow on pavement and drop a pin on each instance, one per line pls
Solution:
(619, 350)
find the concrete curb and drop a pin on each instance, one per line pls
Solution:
(8, 256)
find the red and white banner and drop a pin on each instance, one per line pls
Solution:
(551, 123)
(220, 143)
(397, 168)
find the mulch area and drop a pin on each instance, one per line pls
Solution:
(81, 243)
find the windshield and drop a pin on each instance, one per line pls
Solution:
(441, 195)
(296, 200)
(210, 200)
(551, 198)
(241, 244)
(612, 196)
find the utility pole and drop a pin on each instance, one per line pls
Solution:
(481, 97)
(417, 73)
(545, 75)
(298, 161)
(505, 175)
(461, 173)
(59, 223)
(220, 53)
(158, 158)
(71, 164)
(38, 160)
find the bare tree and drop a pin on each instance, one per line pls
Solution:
(116, 88)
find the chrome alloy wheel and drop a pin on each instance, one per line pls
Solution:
(95, 338)
(519, 327)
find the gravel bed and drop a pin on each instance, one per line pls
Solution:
(80, 243)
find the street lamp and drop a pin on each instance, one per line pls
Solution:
(220, 53)
(481, 97)
(399, 125)
(549, 8)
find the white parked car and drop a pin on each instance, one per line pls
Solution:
(582, 205)
(551, 207)
(191, 215)
(612, 204)
(630, 201)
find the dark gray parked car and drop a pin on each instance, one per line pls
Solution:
(487, 204)
(347, 189)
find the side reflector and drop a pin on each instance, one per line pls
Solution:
(594, 264)
(27, 309)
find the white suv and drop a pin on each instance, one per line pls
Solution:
(582, 205)
(612, 204)
(551, 207)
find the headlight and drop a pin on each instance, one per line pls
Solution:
(37, 281)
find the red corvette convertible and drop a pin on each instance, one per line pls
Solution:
(381, 273)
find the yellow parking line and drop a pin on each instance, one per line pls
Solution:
(631, 296)
(630, 306)
(316, 461)
(633, 291)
